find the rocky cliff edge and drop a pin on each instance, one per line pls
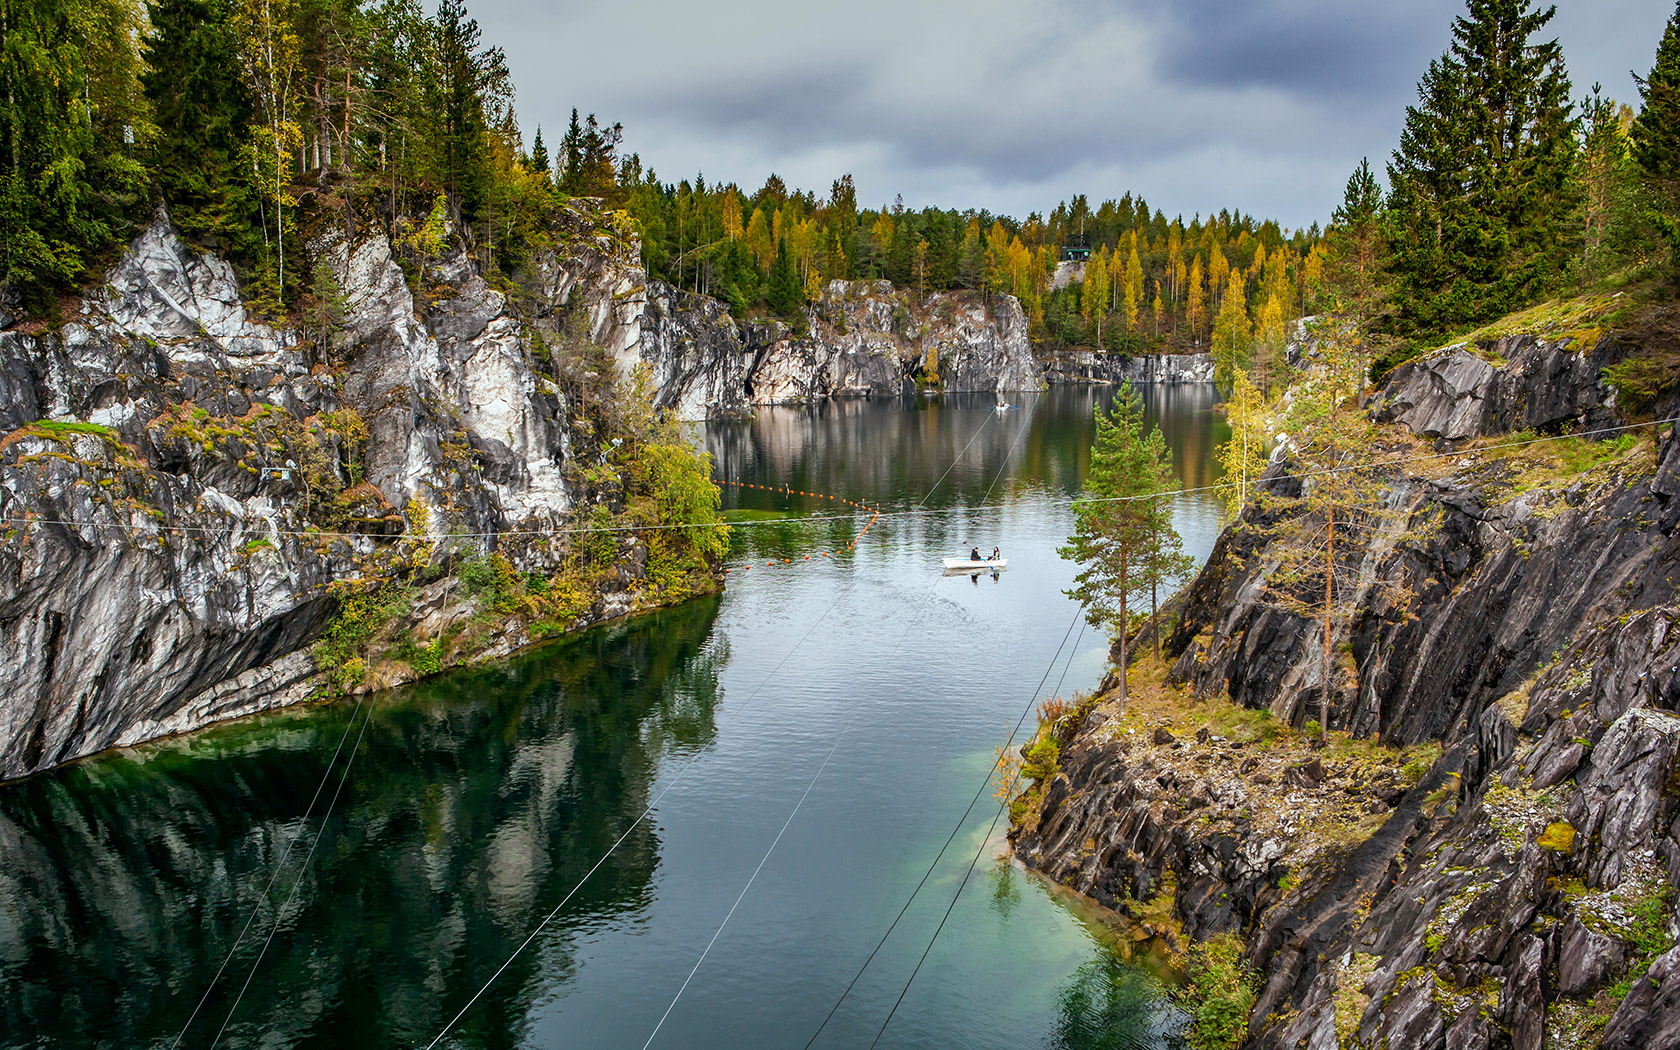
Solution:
(1484, 851)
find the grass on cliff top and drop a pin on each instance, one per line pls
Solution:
(1578, 320)
(1154, 702)
(1537, 462)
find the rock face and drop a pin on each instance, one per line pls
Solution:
(181, 482)
(1509, 893)
(860, 339)
(1085, 366)
(1519, 382)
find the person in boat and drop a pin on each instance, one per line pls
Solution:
(974, 555)
(995, 555)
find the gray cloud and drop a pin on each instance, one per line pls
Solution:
(1012, 105)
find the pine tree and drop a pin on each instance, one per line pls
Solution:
(1314, 561)
(1481, 185)
(200, 156)
(1123, 536)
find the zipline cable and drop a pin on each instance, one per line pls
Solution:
(978, 850)
(302, 871)
(839, 737)
(274, 875)
(681, 773)
(932, 865)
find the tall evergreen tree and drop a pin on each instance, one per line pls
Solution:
(1481, 185)
(1656, 135)
(69, 111)
(468, 82)
(782, 292)
(539, 153)
(1358, 251)
(203, 114)
(573, 179)
(1123, 536)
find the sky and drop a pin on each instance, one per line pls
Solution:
(1014, 105)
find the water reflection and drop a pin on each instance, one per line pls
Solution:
(894, 451)
(475, 802)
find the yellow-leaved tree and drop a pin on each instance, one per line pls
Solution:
(1231, 331)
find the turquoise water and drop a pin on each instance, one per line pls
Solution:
(475, 803)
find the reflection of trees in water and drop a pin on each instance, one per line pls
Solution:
(1108, 1005)
(475, 803)
(896, 450)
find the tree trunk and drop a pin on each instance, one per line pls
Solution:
(1329, 583)
(1154, 580)
(1124, 622)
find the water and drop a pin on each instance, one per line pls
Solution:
(478, 801)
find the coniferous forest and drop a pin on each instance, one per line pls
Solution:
(1506, 187)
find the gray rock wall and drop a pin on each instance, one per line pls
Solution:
(1497, 900)
(158, 568)
(1085, 366)
(1519, 382)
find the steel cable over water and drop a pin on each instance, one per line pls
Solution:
(839, 737)
(302, 871)
(978, 850)
(681, 773)
(274, 875)
(933, 864)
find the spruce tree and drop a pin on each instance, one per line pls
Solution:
(1481, 185)
(573, 179)
(68, 116)
(782, 292)
(1656, 131)
(203, 116)
(539, 153)
(1656, 136)
(1358, 251)
(1123, 536)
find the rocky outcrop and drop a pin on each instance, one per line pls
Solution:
(1518, 890)
(182, 482)
(859, 339)
(1519, 382)
(1086, 366)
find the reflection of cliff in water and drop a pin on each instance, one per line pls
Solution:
(475, 802)
(836, 447)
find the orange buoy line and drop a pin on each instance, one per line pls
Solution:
(874, 513)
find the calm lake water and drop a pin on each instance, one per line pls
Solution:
(476, 802)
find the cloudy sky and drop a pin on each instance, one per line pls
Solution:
(1010, 105)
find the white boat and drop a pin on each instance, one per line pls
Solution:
(964, 563)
